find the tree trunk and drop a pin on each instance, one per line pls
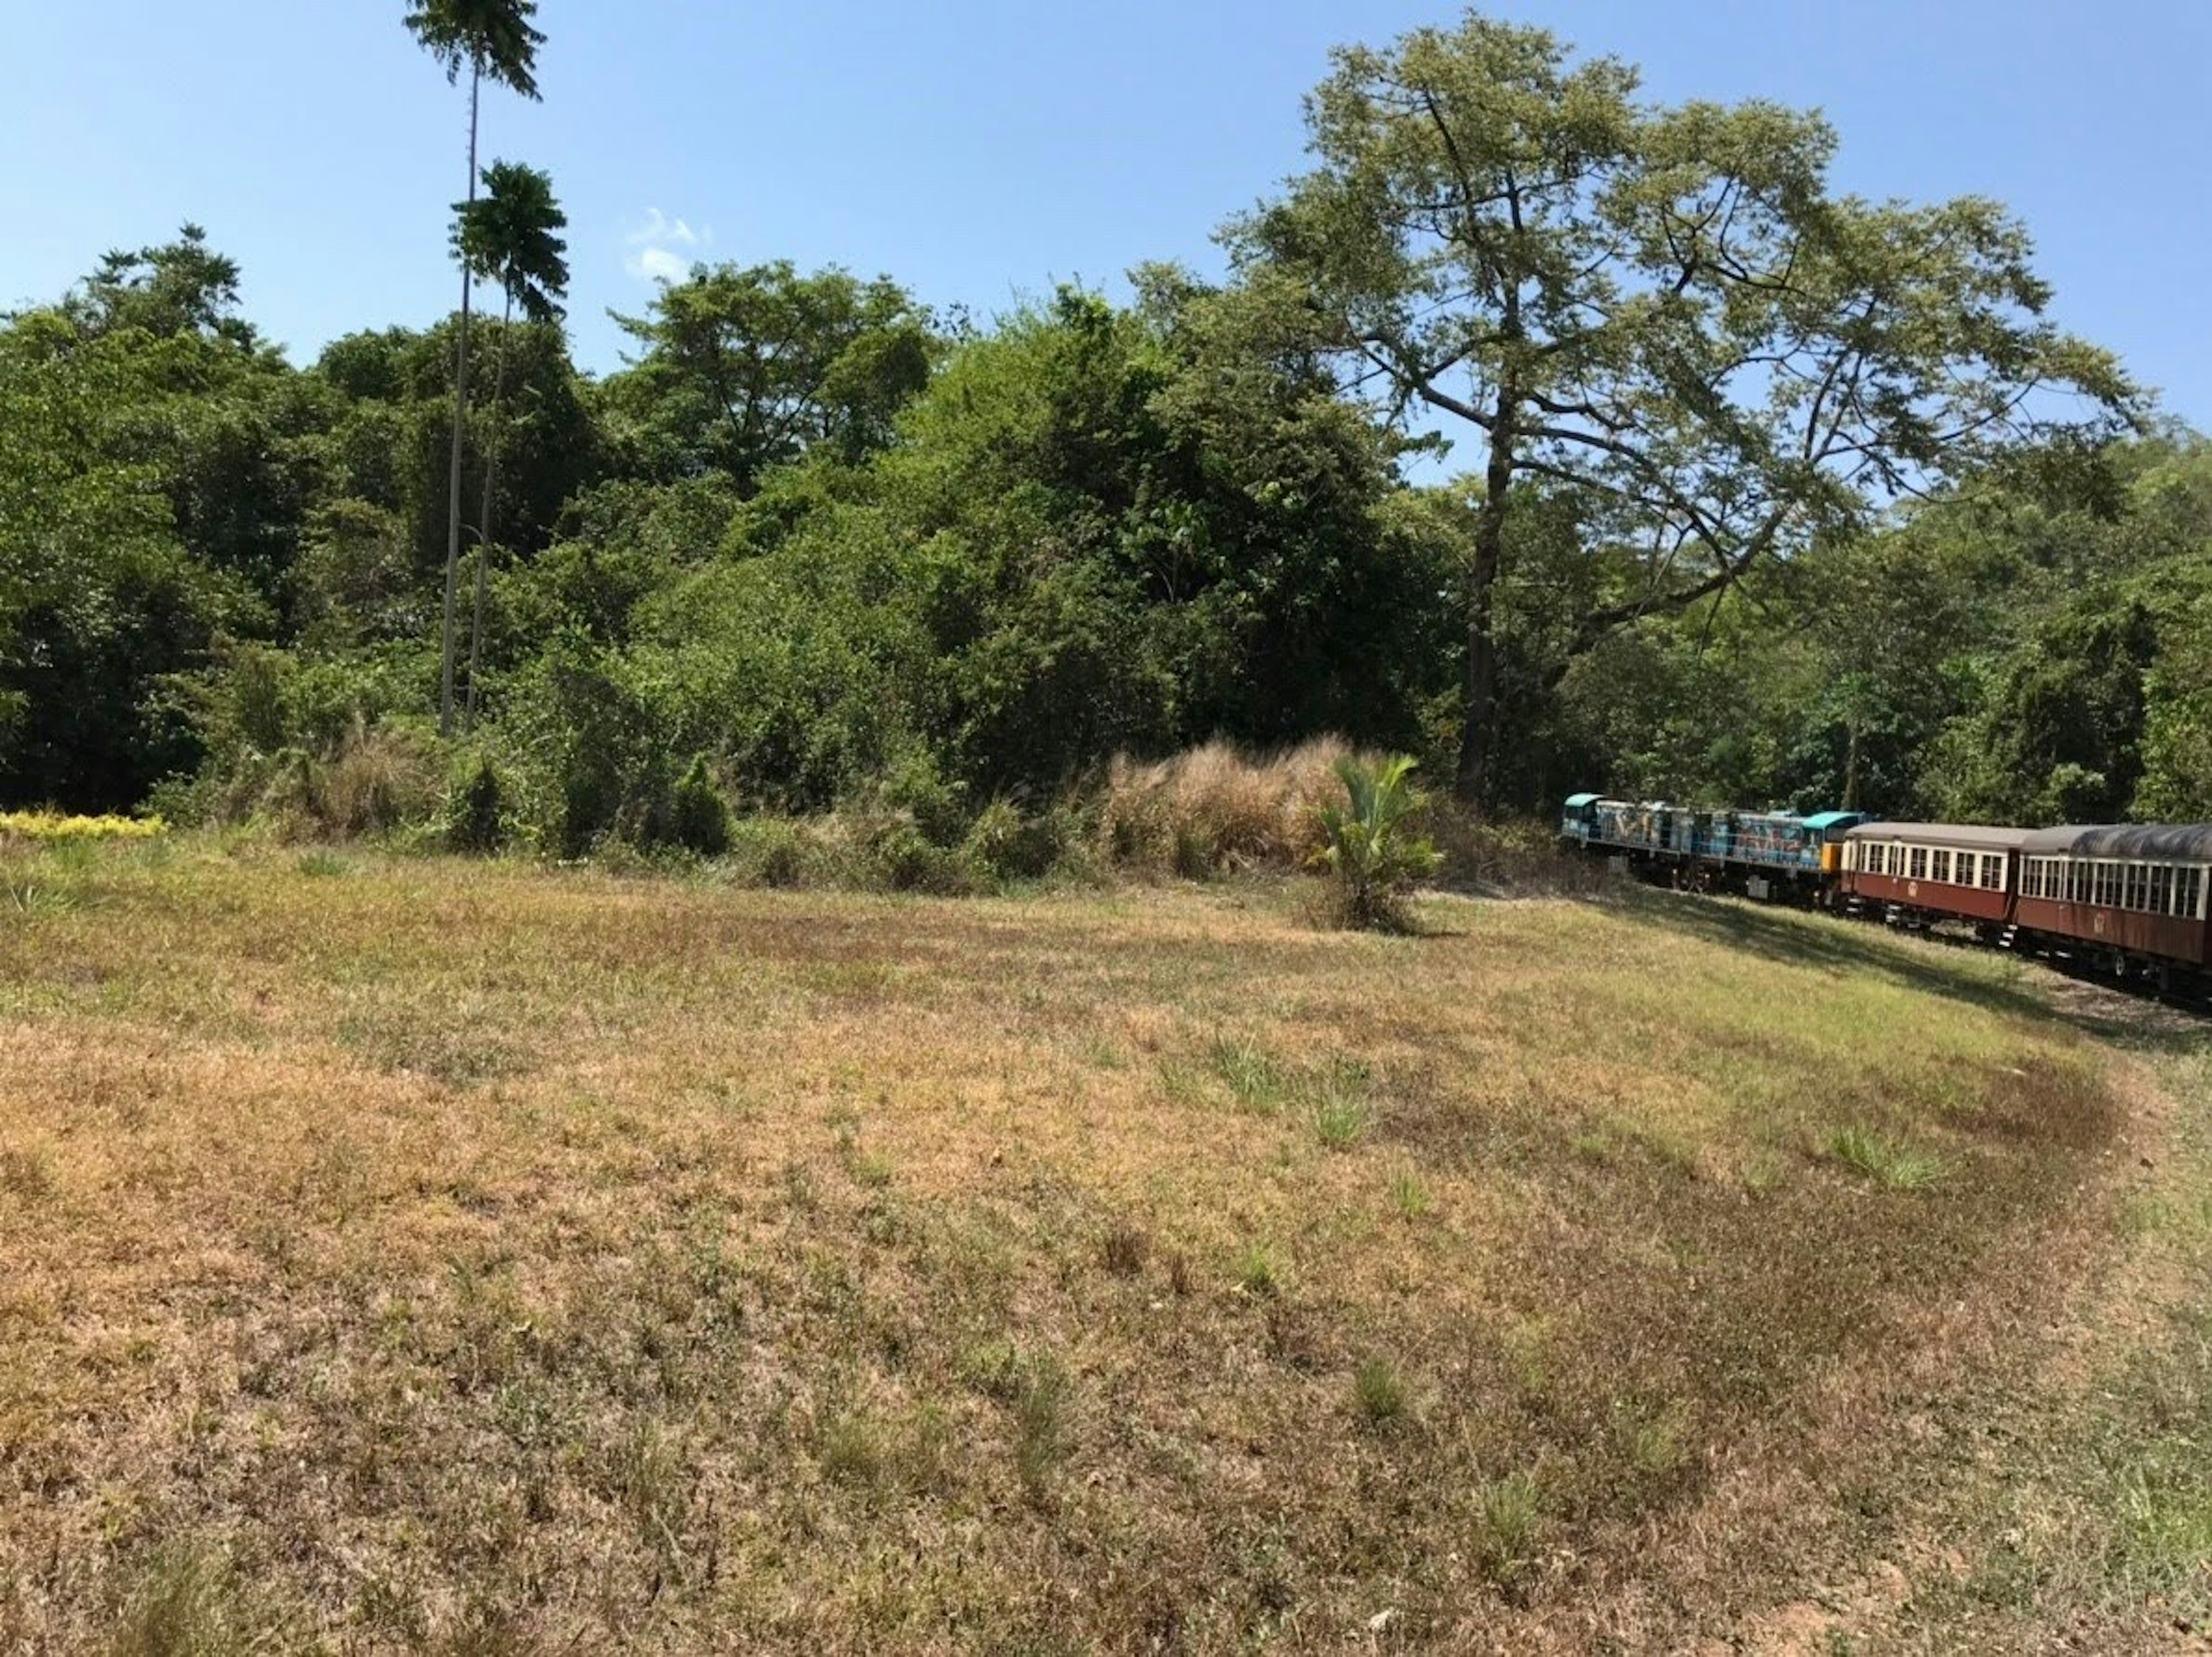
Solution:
(483, 519)
(460, 416)
(1479, 683)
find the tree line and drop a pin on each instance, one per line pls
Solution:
(1556, 436)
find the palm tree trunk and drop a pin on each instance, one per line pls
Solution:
(483, 519)
(460, 414)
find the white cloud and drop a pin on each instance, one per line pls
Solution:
(662, 249)
(655, 264)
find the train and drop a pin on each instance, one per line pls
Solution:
(2130, 899)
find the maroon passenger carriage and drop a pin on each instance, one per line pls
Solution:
(1921, 872)
(2132, 898)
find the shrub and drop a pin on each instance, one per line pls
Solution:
(776, 852)
(895, 852)
(475, 811)
(1370, 844)
(1010, 845)
(699, 818)
(57, 830)
(1214, 809)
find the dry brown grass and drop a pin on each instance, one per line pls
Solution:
(1216, 808)
(483, 1257)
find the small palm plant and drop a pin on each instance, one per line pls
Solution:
(1371, 844)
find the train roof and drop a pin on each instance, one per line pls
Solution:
(1974, 836)
(2187, 842)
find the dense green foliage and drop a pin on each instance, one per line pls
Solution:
(815, 546)
(1371, 841)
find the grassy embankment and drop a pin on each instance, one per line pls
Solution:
(415, 1253)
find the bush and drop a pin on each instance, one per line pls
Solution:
(699, 818)
(1371, 846)
(1010, 845)
(775, 852)
(1214, 809)
(476, 812)
(896, 854)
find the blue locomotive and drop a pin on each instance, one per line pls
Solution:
(1763, 853)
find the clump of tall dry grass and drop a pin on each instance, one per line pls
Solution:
(372, 780)
(1215, 808)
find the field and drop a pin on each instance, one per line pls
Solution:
(405, 1253)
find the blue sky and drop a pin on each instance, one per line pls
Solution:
(981, 150)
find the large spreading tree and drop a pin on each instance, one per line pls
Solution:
(493, 40)
(1667, 312)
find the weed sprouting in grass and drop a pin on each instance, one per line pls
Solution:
(321, 863)
(1179, 1275)
(1256, 1078)
(1594, 1147)
(851, 1449)
(1409, 1195)
(1183, 1082)
(26, 1175)
(872, 1169)
(1340, 1120)
(1258, 1273)
(40, 899)
(1654, 1442)
(1762, 1172)
(647, 1476)
(1380, 1392)
(1509, 1514)
(1040, 1420)
(1103, 1054)
(191, 1601)
(1886, 1161)
(1124, 1249)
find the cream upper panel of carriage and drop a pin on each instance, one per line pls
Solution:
(2150, 868)
(1948, 854)
(2176, 889)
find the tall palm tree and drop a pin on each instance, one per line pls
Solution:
(508, 236)
(494, 38)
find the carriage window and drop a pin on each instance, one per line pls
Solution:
(1942, 869)
(2192, 881)
(2108, 885)
(1919, 865)
(1993, 874)
(2077, 885)
(2133, 896)
(2161, 891)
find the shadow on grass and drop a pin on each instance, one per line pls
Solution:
(2096, 1007)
